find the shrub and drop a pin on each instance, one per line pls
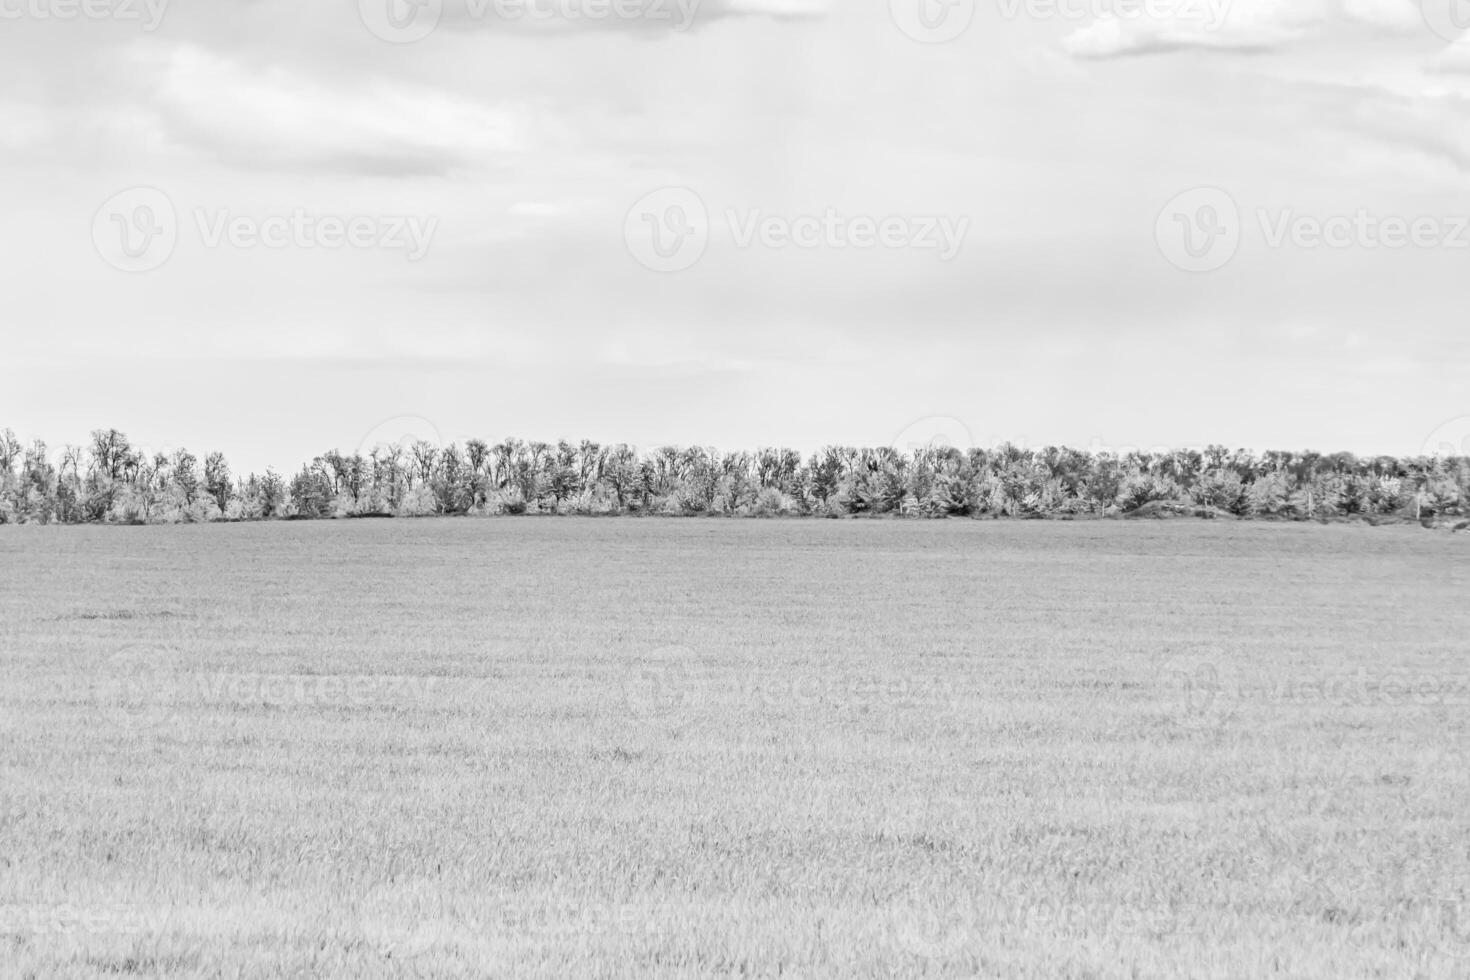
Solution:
(1222, 490)
(1140, 490)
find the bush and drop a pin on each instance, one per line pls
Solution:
(1140, 490)
(1222, 491)
(1270, 495)
(771, 502)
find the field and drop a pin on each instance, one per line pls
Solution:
(576, 747)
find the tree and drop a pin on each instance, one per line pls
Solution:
(272, 494)
(217, 479)
(111, 453)
(184, 469)
(620, 474)
(114, 480)
(424, 454)
(311, 492)
(10, 451)
(826, 474)
(563, 477)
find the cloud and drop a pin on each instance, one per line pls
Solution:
(581, 16)
(277, 118)
(536, 209)
(1143, 27)
(24, 126)
(1435, 124)
(1112, 37)
(1453, 60)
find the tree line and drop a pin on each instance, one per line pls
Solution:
(112, 481)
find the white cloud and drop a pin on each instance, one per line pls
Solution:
(1152, 26)
(551, 17)
(24, 127)
(536, 209)
(778, 8)
(277, 117)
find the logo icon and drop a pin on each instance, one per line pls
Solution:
(1199, 230)
(136, 230)
(139, 687)
(934, 432)
(664, 689)
(400, 433)
(1201, 698)
(668, 230)
(1450, 19)
(932, 21)
(388, 923)
(400, 21)
(1454, 925)
(934, 929)
(1449, 440)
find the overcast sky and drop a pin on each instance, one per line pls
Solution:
(969, 212)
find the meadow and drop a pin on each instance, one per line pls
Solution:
(550, 747)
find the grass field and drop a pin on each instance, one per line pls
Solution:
(554, 748)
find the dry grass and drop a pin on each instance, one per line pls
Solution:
(553, 748)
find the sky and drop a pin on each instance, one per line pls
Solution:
(278, 227)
